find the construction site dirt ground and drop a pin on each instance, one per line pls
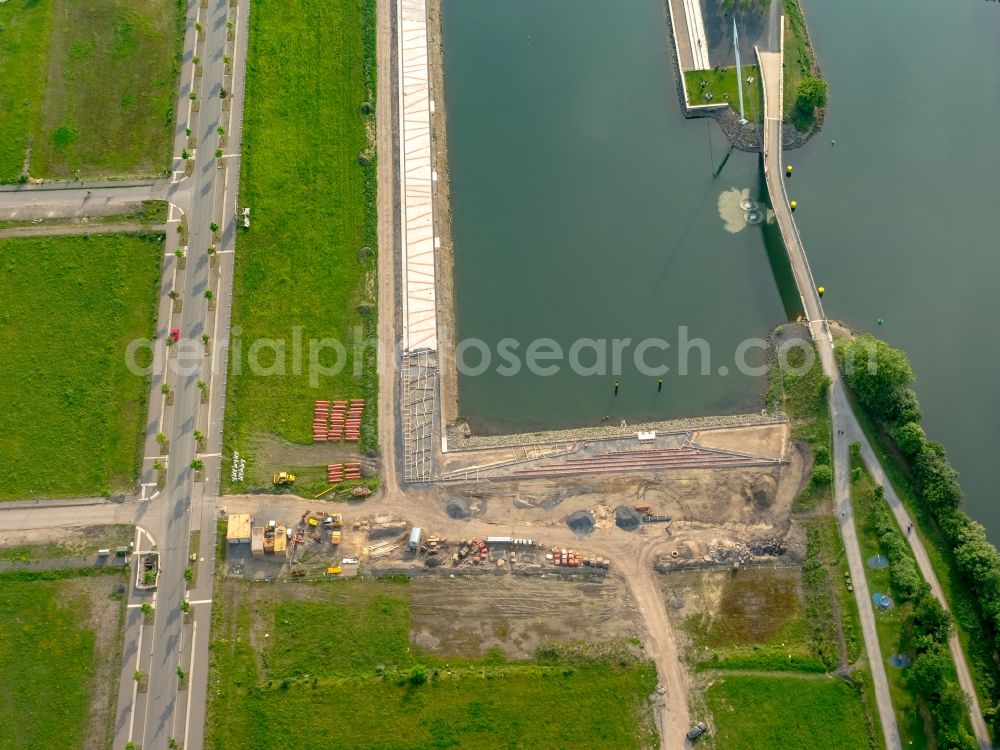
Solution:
(707, 506)
(470, 616)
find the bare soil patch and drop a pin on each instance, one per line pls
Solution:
(763, 440)
(471, 616)
(104, 598)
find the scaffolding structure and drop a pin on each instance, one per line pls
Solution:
(419, 385)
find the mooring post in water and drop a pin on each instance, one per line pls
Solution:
(739, 71)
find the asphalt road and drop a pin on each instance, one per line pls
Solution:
(848, 430)
(172, 708)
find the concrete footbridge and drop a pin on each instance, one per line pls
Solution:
(845, 425)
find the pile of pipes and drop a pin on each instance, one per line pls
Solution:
(239, 467)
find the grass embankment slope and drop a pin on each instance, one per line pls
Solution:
(337, 671)
(24, 48)
(60, 674)
(113, 73)
(73, 414)
(723, 87)
(799, 63)
(310, 68)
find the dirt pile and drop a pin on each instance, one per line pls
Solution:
(628, 519)
(581, 522)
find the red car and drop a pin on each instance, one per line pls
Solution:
(175, 334)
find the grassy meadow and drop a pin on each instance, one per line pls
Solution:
(338, 671)
(751, 712)
(113, 73)
(73, 414)
(24, 50)
(52, 658)
(310, 68)
(90, 85)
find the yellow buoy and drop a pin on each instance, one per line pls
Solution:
(821, 290)
(788, 169)
(794, 204)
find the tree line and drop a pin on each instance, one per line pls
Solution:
(880, 377)
(931, 676)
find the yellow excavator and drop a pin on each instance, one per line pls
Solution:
(283, 477)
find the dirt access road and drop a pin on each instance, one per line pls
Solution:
(631, 556)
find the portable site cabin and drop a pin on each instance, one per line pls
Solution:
(257, 540)
(280, 541)
(238, 531)
(414, 539)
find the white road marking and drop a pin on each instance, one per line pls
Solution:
(187, 713)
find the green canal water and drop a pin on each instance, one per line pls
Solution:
(586, 207)
(900, 217)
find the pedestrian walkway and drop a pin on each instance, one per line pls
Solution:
(416, 189)
(845, 424)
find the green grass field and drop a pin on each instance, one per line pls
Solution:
(49, 656)
(300, 264)
(91, 85)
(24, 49)
(73, 413)
(337, 671)
(113, 73)
(750, 713)
(722, 85)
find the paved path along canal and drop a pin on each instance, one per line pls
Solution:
(846, 427)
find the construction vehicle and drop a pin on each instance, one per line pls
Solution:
(283, 477)
(334, 570)
(335, 537)
(336, 521)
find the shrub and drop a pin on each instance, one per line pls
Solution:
(418, 675)
(822, 475)
(911, 439)
(812, 93)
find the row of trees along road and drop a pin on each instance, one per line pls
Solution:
(880, 377)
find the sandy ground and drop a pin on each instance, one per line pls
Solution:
(765, 440)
